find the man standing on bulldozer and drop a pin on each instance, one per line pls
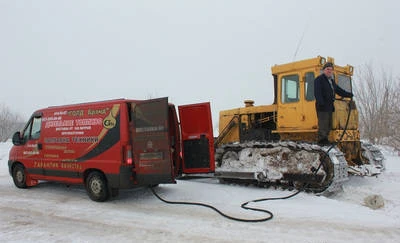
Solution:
(324, 92)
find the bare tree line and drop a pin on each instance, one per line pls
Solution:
(10, 122)
(377, 94)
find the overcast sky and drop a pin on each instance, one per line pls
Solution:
(60, 52)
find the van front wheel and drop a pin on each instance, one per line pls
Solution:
(19, 176)
(96, 187)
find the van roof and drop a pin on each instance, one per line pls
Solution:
(112, 101)
(101, 102)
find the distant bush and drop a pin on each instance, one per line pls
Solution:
(378, 98)
(9, 122)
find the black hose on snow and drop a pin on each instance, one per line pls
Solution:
(245, 205)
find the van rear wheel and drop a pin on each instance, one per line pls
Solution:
(96, 187)
(19, 176)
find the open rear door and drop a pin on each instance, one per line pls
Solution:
(197, 138)
(151, 145)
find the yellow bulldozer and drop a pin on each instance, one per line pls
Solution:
(277, 143)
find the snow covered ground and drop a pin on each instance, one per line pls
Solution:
(52, 212)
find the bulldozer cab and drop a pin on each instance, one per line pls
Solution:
(296, 115)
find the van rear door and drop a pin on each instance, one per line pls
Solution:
(197, 138)
(151, 145)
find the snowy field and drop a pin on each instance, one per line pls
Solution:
(52, 212)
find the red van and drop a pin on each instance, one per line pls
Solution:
(112, 145)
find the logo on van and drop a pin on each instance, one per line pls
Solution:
(109, 123)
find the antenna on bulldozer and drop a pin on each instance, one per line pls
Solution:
(301, 40)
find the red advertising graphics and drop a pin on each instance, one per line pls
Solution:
(74, 135)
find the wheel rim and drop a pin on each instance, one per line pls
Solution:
(20, 176)
(96, 185)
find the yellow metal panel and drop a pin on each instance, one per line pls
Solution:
(299, 65)
(310, 63)
(226, 116)
(299, 115)
(342, 113)
(349, 135)
(348, 70)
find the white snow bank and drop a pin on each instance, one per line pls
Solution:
(53, 212)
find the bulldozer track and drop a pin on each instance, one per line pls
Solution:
(289, 165)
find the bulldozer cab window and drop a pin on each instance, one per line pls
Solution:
(344, 82)
(290, 89)
(309, 89)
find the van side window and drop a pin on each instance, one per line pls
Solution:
(32, 130)
(36, 125)
(290, 89)
(310, 86)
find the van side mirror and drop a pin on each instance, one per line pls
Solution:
(16, 139)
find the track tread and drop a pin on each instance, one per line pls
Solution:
(326, 177)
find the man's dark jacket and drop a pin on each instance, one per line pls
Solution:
(324, 94)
